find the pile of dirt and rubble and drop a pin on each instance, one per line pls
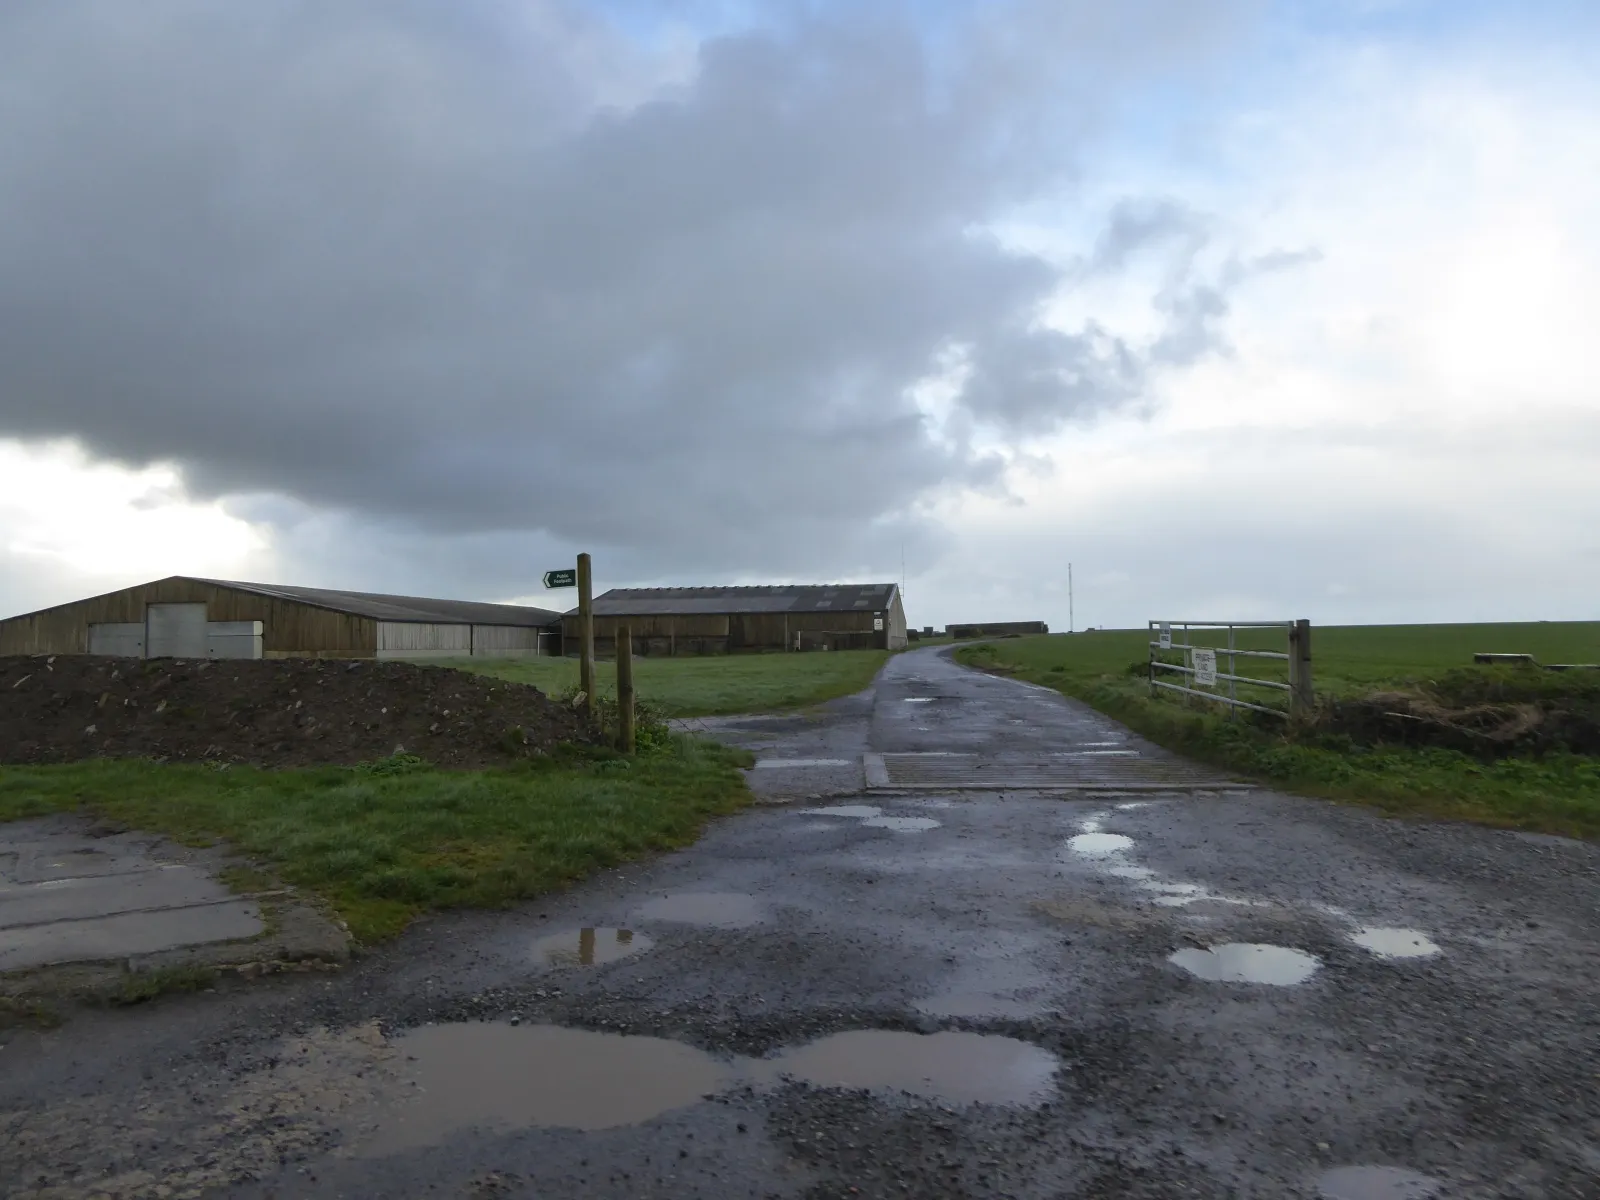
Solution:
(1490, 714)
(274, 712)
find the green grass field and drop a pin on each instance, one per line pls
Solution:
(705, 686)
(1557, 793)
(1344, 658)
(385, 843)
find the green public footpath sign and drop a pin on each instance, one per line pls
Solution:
(566, 577)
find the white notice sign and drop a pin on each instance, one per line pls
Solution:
(1205, 668)
(877, 624)
(1166, 636)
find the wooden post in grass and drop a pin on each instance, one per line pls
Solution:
(625, 730)
(586, 636)
(1302, 698)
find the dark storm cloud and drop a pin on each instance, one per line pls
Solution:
(465, 268)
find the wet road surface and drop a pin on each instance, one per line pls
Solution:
(870, 986)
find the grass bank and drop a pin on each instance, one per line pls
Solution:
(388, 841)
(712, 685)
(1553, 792)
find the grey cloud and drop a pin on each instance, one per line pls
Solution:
(432, 265)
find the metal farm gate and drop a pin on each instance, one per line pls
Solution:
(1191, 650)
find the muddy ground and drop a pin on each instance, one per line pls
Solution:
(272, 712)
(972, 993)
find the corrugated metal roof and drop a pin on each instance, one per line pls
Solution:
(400, 608)
(779, 598)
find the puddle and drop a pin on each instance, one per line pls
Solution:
(1099, 843)
(1139, 873)
(1396, 943)
(796, 763)
(919, 699)
(589, 947)
(871, 815)
(1173, 890)
(902, 824)
(957, 1068)
(498, 1075)
(1376, 1183)
(1247, 962)
(844, 810)
(721, 910)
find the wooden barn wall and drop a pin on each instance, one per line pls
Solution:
(290, 629)
(735, 632)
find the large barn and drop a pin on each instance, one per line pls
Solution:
(186, 617)
(730, 620)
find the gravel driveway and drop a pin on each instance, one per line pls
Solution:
(903, 977)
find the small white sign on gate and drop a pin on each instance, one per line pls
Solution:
(1166, 636)
(1205, 668)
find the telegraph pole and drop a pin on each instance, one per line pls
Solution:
(1071, 616)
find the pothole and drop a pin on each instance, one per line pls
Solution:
(1376, 1183)
(1248, 962)
(588, 947)
(1099, 843)
(1396, 943)
(498, 1075)
(723, 910)
(956, 1068)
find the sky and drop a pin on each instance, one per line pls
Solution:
(1246, 310)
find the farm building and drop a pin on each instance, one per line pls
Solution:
(730, 620)
(996, 629)
(184, 617)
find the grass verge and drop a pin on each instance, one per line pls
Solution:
(1553, 793)
(385, 846)
(712, 685)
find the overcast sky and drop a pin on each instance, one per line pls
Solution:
(1245, 309)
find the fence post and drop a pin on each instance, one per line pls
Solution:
(1302, 697)
(625, 728)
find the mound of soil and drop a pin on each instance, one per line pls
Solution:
(1489, 714)
(271, 712)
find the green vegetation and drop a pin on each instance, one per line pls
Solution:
(1555, 791)
(140, 986)
(387, 841)
(705, 686)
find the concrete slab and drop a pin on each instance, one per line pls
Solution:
(82, 901)
(127, 934)
(169, 886)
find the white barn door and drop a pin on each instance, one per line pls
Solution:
(175, 631)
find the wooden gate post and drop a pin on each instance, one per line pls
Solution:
(625, 728)
(586, 679)
(1302, 697)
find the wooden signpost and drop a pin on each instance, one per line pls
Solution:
(566, 577)
(586, 635)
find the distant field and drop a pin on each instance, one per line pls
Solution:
(1557, 793)
(1344, 658)
(706, 686)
